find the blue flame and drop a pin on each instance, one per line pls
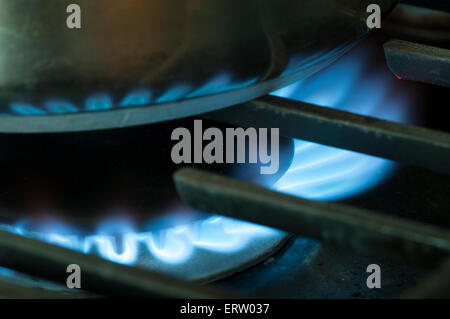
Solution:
(215, 84)
(326, 173)
(176, 92)
(26, 109)
(220, 83)
(136, 98)
(60, 107)
(118, 240)
(102, 101)
(99, 102)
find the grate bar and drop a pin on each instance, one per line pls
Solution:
(418, 62)
(407, 144)
(337, 224)
(43, 260)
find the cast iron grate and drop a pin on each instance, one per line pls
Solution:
(341, 225)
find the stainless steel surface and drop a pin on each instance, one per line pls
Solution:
(167, 51)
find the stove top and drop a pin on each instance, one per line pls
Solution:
(362, 182)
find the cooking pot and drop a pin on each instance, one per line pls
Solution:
(142, 61)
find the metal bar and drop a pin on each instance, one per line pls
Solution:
(418, 62)
(437, 286)
(43, 260)
(337, 224)
(418, 24)
(403, 143)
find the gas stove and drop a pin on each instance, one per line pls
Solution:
(361, 185)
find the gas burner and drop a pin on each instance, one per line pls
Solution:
(103, 193)
(201, 251)
(359, 185)
(328, 173)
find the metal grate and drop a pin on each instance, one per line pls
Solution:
(418, 62)
(337, 224)
(403, 143)
(340, 225)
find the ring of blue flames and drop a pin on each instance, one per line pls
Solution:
(118, 241)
